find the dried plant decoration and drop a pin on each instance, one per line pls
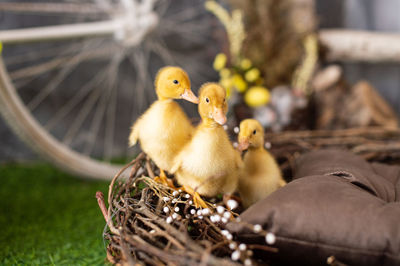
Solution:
(233, 24)
(305, 71)
(275, 30)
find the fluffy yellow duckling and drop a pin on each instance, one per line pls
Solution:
(261, 174)
(209, 164)
(164, 128)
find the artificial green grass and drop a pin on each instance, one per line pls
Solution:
(48, 217)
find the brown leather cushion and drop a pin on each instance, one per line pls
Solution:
(338, 204)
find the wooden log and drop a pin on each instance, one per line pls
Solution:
(361, 46)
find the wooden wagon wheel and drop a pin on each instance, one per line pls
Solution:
(92, 55)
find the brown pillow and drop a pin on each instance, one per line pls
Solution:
(338, 204)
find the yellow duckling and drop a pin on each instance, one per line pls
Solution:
(164, 128)
(209, 165)
(261, 174)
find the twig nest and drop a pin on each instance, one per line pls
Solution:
(159, 225)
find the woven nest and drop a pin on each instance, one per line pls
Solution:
(152, 224)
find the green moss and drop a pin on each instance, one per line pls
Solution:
(48, 217)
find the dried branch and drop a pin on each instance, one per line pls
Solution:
(102, 205)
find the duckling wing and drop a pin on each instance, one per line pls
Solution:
(164, 130)
(177, 163)
(238, 160)
(134, 135)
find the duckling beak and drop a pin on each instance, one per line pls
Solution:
(243, 144)
(219, 116)
(188, 95)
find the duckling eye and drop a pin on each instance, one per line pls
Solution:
(175, 81)
(254, 132)
(207, 100)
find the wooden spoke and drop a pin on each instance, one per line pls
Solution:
(68, 107)
(53, 8)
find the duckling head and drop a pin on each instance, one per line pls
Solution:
(251, 135)
(174, 83)
(212, 104)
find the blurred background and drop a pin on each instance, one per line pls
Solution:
(125, 67)
(351, 14)
(75, 75)
(372, 16)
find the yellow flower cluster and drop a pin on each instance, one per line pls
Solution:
(220, 61)
(1, 47)
(244, 78)
(256, 96)
(241, 75)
